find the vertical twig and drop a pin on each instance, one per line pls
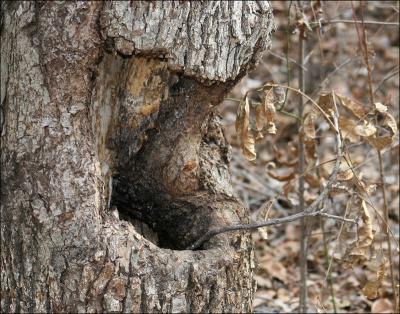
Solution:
(329, 275)
(287, 58)
(303, 239)
(382, 178)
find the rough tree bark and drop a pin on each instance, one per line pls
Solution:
(113, 160)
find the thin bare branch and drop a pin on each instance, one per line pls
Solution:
(323, 23)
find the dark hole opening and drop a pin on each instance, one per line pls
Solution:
(154, 217)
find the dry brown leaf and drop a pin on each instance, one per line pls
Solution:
(279, 94)
(308, 125)
(371, 289)
(381, 142)
(345, 175)
(312, 180)
(366, 129)
(352, 106)
(244, 133)
(382, 306)
(269, 109)
(347, 127)
(311, 150)
(391, 123)
(248, 145)
(274, 268)
(260, 117)
(357, 252)
(285, 177)
(380, 107)
(325, 101)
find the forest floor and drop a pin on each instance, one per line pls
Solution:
(333, 60)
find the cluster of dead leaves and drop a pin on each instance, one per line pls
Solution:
(264, 123)
(376, 127)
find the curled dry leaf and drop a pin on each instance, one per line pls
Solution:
(380, 107)
(381, 142)
(312, 180)
(355, 108)
(279, 94)
(285, 177)
(263, 215)
(325, 101)
(357, 252)
(345, 175)
(245, 135)
(371, 289)
(308, 125)
(347, 127)
(391, 123)
(311, 149)
(265, 113)
(366, 129)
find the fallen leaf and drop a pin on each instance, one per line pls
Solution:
(382, 306)
(284, 177)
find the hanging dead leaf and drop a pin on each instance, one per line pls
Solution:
(279, 94)
(247, 139)
(311, 149)
(248, 145)
(325, 101)
(260, 117)
(380, 142)
(380, 107)
(355, 108)
(308, 125)
(347, 127)
(262, 214)
(371, 289)
(365, 130)
(357, 251)
(391, 123)
(269, 109)
(345, 175)
(312, 180)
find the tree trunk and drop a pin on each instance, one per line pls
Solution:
(113, 160)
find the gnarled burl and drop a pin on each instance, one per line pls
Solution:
(111, 105)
